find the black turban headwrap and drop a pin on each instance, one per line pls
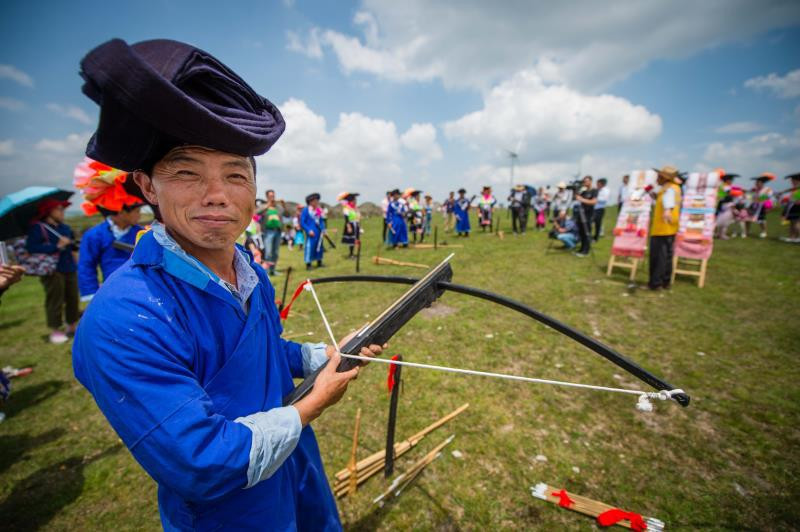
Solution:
(156, 95)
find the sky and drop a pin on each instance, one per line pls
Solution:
(379, 94)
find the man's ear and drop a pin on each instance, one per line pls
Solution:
(145, 183)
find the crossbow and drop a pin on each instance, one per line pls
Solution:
(427, 289)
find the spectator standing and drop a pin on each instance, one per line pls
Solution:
(449, 209)
(561, 200)
(623, 192)
(664, 227)
(51, 236)
(585, 200)
(271, 231)
(603, 195)
(520, 202)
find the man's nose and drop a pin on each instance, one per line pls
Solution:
(215, 192)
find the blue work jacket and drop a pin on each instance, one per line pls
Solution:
(97, 250)
(40, 240)
(172, 360)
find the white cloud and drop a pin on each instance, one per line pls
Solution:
(6, 148)
(14, 74)
(739, 127)
(786, 87)
(421, 138)
(310, 48)
(770, 152)
(552, 121)
(72, 144)
(11, 104)
(358, 153)
(71, 111)
(475, 43)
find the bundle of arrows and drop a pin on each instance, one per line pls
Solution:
(374, 463)
(605, 514)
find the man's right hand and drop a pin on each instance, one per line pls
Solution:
(311, 234)
(329, 387)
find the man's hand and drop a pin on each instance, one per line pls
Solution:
(330, 385)
(63, 242)
(9, 275)
(311, 234)
(668, 216)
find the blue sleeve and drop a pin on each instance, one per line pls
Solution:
(306, 222)
(39, 241)
(138, 371)
(88, 259)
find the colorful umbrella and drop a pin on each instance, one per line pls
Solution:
(18, 209)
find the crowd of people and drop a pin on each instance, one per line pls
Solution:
(181, 343)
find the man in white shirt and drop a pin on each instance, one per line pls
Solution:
(603, 195)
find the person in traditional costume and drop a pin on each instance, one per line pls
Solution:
(352, 220)
(486, 204)
(723, 191)
(760, 203)
(461, 212)
(313, 224)
(448, 207)
(299, 235)
(108, 244)
(49, 235)
(428, 209)
(791, 209)
(415, 214)
(664, 227)
(181, 346)
(396, 220)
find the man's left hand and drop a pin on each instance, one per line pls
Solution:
(371, 351)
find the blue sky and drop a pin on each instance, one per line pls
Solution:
(379, 94)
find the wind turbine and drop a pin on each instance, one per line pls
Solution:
(513, 156)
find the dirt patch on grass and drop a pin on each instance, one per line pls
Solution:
(437, 310)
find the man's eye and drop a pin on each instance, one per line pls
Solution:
(238, 177)
(186, 173)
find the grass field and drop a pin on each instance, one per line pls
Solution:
(730, 461)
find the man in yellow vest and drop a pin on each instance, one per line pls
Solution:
(664, 227)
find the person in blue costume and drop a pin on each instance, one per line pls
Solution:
(396, 220)
(97, 247)
(313, 224)
(181, 346)
(461, 211)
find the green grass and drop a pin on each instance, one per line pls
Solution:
(729, 461)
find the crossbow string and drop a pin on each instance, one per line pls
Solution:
(643, 403)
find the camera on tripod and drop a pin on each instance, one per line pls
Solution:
(575, 186)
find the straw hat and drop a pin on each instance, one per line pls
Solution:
(668, 172)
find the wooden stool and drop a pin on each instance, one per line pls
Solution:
(631, 264)
(700, 272)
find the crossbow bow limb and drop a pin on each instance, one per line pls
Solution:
(437, 282)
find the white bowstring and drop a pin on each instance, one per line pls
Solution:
(643, 403)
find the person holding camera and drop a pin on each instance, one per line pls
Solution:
(586, 199)
(565, 230)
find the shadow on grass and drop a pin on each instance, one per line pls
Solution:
(372, 520)
(36, 499)
(31, 395)
(12, 323)
(14, 446)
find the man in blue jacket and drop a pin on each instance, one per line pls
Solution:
(97, 247)
(181, 346)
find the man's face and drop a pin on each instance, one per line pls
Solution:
(205, 197)
(600, 184)
(625, 180)
(587, 182)
(270, 196)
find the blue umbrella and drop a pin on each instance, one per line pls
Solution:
(18, 209)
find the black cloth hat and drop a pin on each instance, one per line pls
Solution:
(792, 176)
(394, 191)
(311, 197)
(156, 95)
(729, 177)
